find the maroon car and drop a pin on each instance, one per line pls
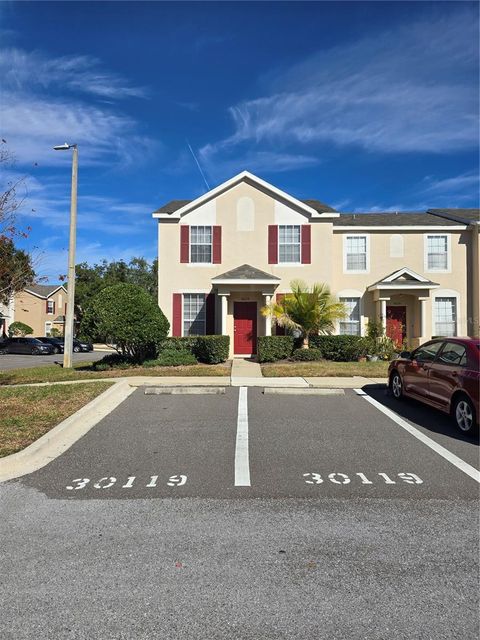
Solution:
(443, 373)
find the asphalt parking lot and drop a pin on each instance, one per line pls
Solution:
(10, 361)
(246, 515)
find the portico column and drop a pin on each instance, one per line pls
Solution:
(223, 313)
(382, 311)
(423, 317)
(268, 319)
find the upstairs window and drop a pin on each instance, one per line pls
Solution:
(50, 306)
(437, 253)
(194, 314)
(350, 325)
(201, 244)
(445, 316)
(355, 258)
(289, 243)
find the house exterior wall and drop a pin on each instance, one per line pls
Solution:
(244, 213)
(32, 310)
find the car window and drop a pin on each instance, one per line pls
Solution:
(454, 353)
(427, 353)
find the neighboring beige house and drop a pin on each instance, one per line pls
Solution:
(224, 255)
(42, 307)
(6, 317)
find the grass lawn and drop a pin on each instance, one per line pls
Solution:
(84, 371)
(28, 413)
(324, 368)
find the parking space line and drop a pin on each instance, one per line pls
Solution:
(242, 464)
(445, 453)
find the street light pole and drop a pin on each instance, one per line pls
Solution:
(68, 333)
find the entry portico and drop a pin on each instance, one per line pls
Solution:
(242, 292)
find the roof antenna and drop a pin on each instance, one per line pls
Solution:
(198, 165)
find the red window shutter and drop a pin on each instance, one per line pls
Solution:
(210, 315)
(65, 308)
(272, 244)
(46, 306)
(177, 315)
(306, 244)
(184, 243)
(279, 331)
(53, 307)
(217, 245)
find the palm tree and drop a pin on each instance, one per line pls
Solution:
(310, 311)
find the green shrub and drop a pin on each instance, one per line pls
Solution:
(344, 348)
(272, 348)
(307, 355)
(188, 343)
(172, 358)
(127, 316)
(212, 349)
(114, 361)
(19, 329)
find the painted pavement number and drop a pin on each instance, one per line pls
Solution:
(343, 478)
(109, 481)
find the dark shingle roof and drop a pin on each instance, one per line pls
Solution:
(60, 319)
(460, 215)
(43, 290)
(390, 220)
(403, 280)
(246, 272)
(174, 205)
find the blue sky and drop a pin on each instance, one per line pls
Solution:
(365, 106)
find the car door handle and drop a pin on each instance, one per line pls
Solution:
(454, 374)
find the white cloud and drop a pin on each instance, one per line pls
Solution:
(465, 184)
(413, 88)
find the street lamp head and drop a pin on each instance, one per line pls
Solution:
(64, 147)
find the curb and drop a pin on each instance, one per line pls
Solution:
(64, 435)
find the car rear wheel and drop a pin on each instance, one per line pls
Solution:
(35, 351)
(464, 415)
(396, 386)
(76, 349)
(56, 350)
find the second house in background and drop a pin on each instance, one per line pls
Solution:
(42, 307)
(226, 254)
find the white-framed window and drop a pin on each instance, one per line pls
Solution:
(201, 244)
(48, 328)
(350, 325)
(356, 253)
(445, 309)
(289, 243)
(50, 306)
(437, 252)
(194, 314)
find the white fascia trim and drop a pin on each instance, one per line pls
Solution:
(402, 272)
(232, 281)
(444, 228)
(46, 297)
(225, 186)
(402, 286)
(204, 291)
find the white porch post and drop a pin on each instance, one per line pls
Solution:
(423, 317)
(382, 311)
(224, 301)
(268, 319)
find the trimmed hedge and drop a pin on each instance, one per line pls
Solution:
(272, 348)
(307, 355)
(172, 358)
(206, 349)
(342, 348)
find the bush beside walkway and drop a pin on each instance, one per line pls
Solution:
(28, 413)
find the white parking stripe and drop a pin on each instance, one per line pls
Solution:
(242, 464)
(445, 453)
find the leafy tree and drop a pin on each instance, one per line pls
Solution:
(16, 269)
(309, 311)
(19, 329)
(127, 317)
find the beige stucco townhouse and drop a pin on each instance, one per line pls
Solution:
(225, 255)
(42, 307)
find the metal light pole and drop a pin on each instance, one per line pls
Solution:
(68, 333)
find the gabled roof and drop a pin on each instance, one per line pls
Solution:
(404, 278)
(178, 208)
(467, 216)
(44, 290)
(243, 273)
(392, 219)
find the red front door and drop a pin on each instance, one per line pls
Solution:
(396, 328)
(245, 327)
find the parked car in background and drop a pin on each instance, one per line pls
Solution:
(79, 345)
(443, 373)
(29, 346)
(56, 343)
